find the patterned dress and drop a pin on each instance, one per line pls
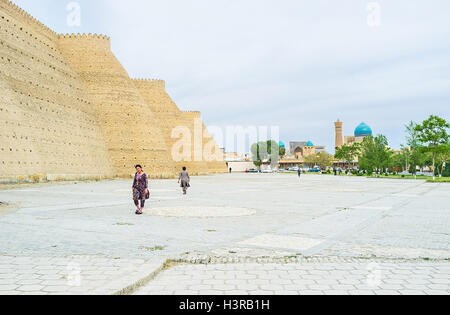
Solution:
(140, 185)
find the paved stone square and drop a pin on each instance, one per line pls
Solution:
(336, 277)
(244, 221)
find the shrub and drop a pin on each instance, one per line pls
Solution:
(440, 180)
(446, 172)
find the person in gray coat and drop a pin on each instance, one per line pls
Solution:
(184, 180)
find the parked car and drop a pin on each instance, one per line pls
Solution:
(315, 170)
(253, 170)
(267, 171)
(293, 169)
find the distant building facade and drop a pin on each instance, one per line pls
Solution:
(302, 149)
(339, 134)
(298, 151)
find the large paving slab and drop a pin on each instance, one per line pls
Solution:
(306, 277)
(325, 216)
(77, 275)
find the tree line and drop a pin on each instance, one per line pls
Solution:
(427, 145)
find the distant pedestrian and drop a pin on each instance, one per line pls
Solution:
(231, 170)
(184, 180)
(335, 172)
(140, 189)
(299, 173)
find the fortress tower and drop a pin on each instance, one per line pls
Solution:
(211, 153)
(339, 134)
(169, 117)
(48, 128)
(130, 128)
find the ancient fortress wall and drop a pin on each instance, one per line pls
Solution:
(169, 118)
(208, 150)
(48, 129)
(69, 110)
(131, 131)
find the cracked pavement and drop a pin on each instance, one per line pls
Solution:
(239, 219)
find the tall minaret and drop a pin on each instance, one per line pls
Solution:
(339, 136)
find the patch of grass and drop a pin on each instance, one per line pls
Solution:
(124, 224)
(169, 264)
(152, 249)
(439, 180)
(211, 231)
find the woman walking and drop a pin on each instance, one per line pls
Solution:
(140, 189)
(185, 180)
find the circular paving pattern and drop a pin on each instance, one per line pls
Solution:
(202, 212)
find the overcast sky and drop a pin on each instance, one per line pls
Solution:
(298, 64)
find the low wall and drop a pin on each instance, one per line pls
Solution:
(240, 166)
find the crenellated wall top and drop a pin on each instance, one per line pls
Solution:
(18, 13)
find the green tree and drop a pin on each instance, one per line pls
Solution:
(257, 154)
(399, 161)
(415, 157)
(446, 171)
(273, 150)
(432, 134)
(324, 159)
(442, 158)
(427, 159)
(265, 152)
(375, 154)
(321, 159)
(348, 153)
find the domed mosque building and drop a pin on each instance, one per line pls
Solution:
(362, 131)
(297, 151)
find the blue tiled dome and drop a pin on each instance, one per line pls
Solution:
(281, 144)
(310, 144)
(363, 130)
